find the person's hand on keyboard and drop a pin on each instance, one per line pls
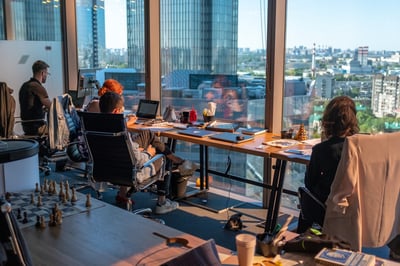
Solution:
(131, 120)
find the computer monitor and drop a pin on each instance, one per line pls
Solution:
(86, 82)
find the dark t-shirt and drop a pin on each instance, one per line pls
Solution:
(31, 97)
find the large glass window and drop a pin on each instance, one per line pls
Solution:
(36, 20)
(107, 49)
(2, 22)
(341, 48)
(214, 51)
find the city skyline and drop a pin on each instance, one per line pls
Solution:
(323, 22)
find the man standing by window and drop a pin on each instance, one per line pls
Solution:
(34, 100)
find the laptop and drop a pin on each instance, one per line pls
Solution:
(196, 132)
(147, 110)
(232, 137)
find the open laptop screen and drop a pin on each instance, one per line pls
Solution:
(147, 109)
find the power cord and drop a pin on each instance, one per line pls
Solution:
(228, 168)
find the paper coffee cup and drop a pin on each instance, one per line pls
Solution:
(245, 246)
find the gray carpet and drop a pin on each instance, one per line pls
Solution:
(195, 220)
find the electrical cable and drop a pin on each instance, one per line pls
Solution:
(228, 168)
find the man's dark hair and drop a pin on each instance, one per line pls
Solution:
(38, 66)
(109, 101)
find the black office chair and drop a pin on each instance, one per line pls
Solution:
(111, 153)
(65, 133)
(314, 212)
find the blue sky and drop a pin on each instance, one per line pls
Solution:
(336, 23)
(344, 23)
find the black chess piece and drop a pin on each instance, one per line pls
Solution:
(25, 220)
(19, 213)
(37, 221)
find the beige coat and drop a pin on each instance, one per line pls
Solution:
(363, 207)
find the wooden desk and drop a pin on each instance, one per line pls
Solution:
(105, 236)
(253, 147)
(278, 181)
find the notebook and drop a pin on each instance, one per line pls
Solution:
(232, 137)
(147, 110)
(196, 132)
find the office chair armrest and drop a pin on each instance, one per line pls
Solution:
(149, 163)
(153, 159)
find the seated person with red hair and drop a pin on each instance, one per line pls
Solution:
(108, 85)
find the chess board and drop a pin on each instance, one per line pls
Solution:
(22, 202)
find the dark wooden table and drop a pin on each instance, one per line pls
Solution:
(105, 236)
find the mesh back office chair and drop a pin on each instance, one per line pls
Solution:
(64, 133)
(111, 154)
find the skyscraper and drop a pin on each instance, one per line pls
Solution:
(36, 20)
(196, 36)
(91, 32)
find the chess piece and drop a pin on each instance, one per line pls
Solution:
(63, 199)
(73, 197)
(45, 185)
(301, 134)
(55, 208)
(58, 216)
(19, 213)
(39, 203)
(55, 192)
(61, 194)
(61, 190)
(52, 221)
(50, 188)
(25, 220)
(32, 198)
(41, 189)
(66, 185)
(67, 193)
(37, 187)
(37, 224)
(42, 222)
(88, 202)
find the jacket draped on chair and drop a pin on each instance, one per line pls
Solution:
(7, 110)
(363, 207)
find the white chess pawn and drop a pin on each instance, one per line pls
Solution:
(32, 198)
(88, 202)
(39, 203)
(73, 197)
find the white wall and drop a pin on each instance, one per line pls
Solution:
(17, 58)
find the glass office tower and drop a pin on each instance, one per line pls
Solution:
(195, 35)
(91, 33)
(36, 20)
(2, 23)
